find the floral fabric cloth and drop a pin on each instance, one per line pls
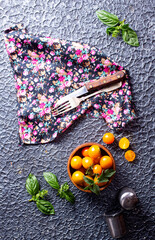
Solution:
(46, 69)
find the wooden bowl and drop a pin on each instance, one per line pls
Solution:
(77, 151)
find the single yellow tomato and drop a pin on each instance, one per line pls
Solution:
(87, 162)
(124, 143)
(130, 155)
(85, 151)
(97, 169)
(94, 151)
(77, 177)
(76, 162)
(108, 138)
(106, 162)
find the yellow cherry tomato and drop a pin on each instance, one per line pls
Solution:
(97, 169)
(97, 183)
(108, 138)
(124, 143)
(130, 155)
(76, 162)
(77, 177)
(87, 162)
(106, 162)
(94, 151)
(85, 151)
(86, 184)
(96, 160)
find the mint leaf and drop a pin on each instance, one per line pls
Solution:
(107, 18)
(51, 179)
(32, 185)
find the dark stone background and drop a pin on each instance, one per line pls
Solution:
(76, 20)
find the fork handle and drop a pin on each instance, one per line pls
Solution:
(104, 81)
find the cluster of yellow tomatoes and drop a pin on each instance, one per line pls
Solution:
(93, 160)
(124, 143)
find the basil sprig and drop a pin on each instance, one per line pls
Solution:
(117, 27)
(32, 186)
(63, 190)
(103, 178)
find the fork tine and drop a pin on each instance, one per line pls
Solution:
(61, 112)
(57, 108)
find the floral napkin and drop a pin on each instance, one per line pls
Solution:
(46, 69)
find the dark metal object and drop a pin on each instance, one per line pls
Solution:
(116, 224)
(128, 198)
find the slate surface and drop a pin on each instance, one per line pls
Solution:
(76, 20)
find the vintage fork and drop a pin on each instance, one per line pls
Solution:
(73, 102)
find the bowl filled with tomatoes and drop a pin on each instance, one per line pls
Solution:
(91, 167)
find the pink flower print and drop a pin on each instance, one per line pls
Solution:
(42, 113)
(61, 71)
(106, 62)
(27, 136)
(66, 119)
(96, 106)
(129, 93)
(19, 52)
(80, 70)
(35, 69)
(11, 40)
(48, 61)
(35, 132)
(47, 110)
(68, 83)
(58, 120)
(62, 86)
(36, 79)
(110, 102)
(70, 73)
(98, 66)
(74, 117)
(52, 53)
(78, 52)
(80, 60)
(50, 42)
(17, 86)
(120, 92)
(34, 102)
(104, 115)
(11, 50)
(53, 75)
(115, 124)
(42, 55)
(31, 116)
(123, 124)
(51, 89)
(40, 46)
(61, 78)
(25, 58)
(69, 49)
(41, 124)
(30, 126)
(115, 64)
(110, 111)
(33, 140)
(34, 61)
(92, 60)
(42, 105)
(93, 52)
(30, 88)
(123, 85)
(120, 68)
(118, 117)
(106, 69)
(33, 54)
(126, 111)
(85, 57)
(55, 135)
(18, 45)
(69, 63)
(75, 79)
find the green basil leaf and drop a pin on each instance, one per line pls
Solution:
(95, 189)
(116, 32)
(68, 195)
(51, 179)
(110, 30)
(88, 180)
(125, 26)
(41, 194)
(107, 18)
(64, 187)
(32, 185)
(108, 173)
(130, 37)
(45, 207)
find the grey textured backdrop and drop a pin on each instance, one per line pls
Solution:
(76, 20)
